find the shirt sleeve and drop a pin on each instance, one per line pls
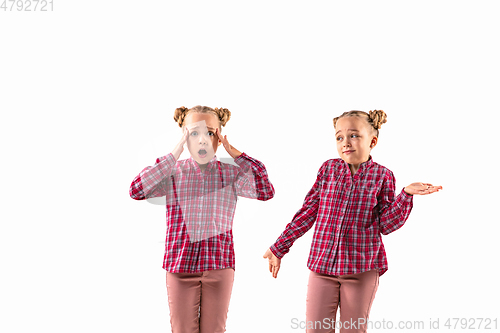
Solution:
(252, 181)
(394, 211)
(151, 181)
(303, 219)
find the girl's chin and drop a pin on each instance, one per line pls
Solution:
(355, 161)
(202, 160)
(350, 159)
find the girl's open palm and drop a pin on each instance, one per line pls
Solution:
(274, 262)
(421, 188)
(233, 152)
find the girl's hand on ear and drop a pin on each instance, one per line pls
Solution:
(233, 152)
(180, 146)
(421, 188)
(274, 262)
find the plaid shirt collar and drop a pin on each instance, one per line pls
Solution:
(211, 164)
(362, 168)
(366, 165)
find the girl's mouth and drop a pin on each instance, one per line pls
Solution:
(202, 153)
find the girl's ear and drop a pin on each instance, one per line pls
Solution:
(374, 142)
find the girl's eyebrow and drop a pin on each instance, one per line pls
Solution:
(197, 127)
(350, 129)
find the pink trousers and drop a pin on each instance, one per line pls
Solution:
(199, 302)
(353, 293)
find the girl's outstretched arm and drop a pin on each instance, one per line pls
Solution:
(301, 223)
(395, 210)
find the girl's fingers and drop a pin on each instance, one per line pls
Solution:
(435, 189)
(218, 134)
(223, 139)
(423, 188)
(431, 189)
(274, 265)
(430, 186)
(185, 136)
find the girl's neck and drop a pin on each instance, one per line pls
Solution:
(354, 168)
(202, 166)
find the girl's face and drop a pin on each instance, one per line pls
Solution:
(355, 139)
(202, 142)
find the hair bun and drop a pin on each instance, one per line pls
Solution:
(377, 117)
(223, 114)
(180, 114)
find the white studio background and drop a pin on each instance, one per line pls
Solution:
(87, 95)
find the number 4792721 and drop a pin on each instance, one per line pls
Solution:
(471, 323)
(27, 5)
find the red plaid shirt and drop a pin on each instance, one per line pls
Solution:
(351, 214)
(209, 196)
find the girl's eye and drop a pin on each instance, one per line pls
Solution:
(194, 133)
(354, 135)
(339, 138)
(211, 134)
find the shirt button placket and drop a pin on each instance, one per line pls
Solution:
(201, 198)
(345, 200)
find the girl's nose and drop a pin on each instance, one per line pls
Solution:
(203, 139)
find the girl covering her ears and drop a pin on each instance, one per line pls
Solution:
(200, 195)
(353, 203)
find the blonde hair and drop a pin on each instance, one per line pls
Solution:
(181, 113)
(375, 118)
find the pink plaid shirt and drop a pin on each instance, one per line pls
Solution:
(208, 199)
(351, 214)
